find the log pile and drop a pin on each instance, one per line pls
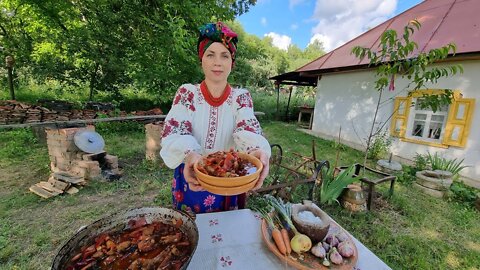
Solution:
(15, 112)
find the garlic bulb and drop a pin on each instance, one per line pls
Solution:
(318, 250)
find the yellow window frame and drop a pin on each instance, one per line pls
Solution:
(457, 127)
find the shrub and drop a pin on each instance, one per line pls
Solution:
(440, 163)
(407, 175)
(462, 193)
(420, 163)
(380, 146)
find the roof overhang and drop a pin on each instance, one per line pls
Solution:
(311, 77)
(296, 78)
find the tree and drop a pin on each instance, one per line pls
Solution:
(314, 50)
(110, 44)
(393, 59)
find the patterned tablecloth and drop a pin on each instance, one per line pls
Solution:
(232, 240)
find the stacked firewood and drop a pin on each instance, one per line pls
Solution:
(14, 112)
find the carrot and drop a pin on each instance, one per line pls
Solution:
(276, 234)
(278, 239)
(286, 240)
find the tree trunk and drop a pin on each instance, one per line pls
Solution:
(10, 83)
(93, 79)
(369, 139)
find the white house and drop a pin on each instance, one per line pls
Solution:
(346, 96)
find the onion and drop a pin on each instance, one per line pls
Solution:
(300, 243)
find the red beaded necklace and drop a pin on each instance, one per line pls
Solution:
(213, 100)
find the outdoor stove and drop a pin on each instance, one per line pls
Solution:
(76, 157)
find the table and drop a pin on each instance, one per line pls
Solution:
(232, 240)
(307, 110)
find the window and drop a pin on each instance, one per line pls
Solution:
(448, 126)
(424, 124)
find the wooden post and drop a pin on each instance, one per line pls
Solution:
(153, 134)
(10, 62)
(288, 103)
(277, 87)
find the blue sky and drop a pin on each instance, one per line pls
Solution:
(333, 22)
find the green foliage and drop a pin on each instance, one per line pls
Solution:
(437, 162)
(332, 185)
(108, 44)
(395, 59)
(407, 175)
(266, 101)
(114, 127)
(420, 162)
(435, 102)
(462, 193)
(380, 146)
(258, 59)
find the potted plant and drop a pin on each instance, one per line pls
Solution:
(439, 175)
(333, 182)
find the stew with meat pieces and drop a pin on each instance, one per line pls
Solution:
(226, 164)
(142, 246)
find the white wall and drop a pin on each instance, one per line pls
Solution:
(349, 99)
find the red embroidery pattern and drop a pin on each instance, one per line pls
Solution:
(212, 128)
(213, 222)
(251, 125)
(173, 126)
(185, 98)
(217, 238)
(200, 98)
(229, 100)
(244, 101)
(226, 261)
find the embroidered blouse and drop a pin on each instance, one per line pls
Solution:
(204, 124)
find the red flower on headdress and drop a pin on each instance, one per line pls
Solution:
(228, 32)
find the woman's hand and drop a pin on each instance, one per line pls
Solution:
(260, 154)
(189, 173)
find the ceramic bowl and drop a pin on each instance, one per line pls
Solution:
(227, 191)
(316, 231)
(228, 182)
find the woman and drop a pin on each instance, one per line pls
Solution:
(209, 117)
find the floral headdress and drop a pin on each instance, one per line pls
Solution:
(217, 32)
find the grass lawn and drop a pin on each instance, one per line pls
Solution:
(408, 231)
